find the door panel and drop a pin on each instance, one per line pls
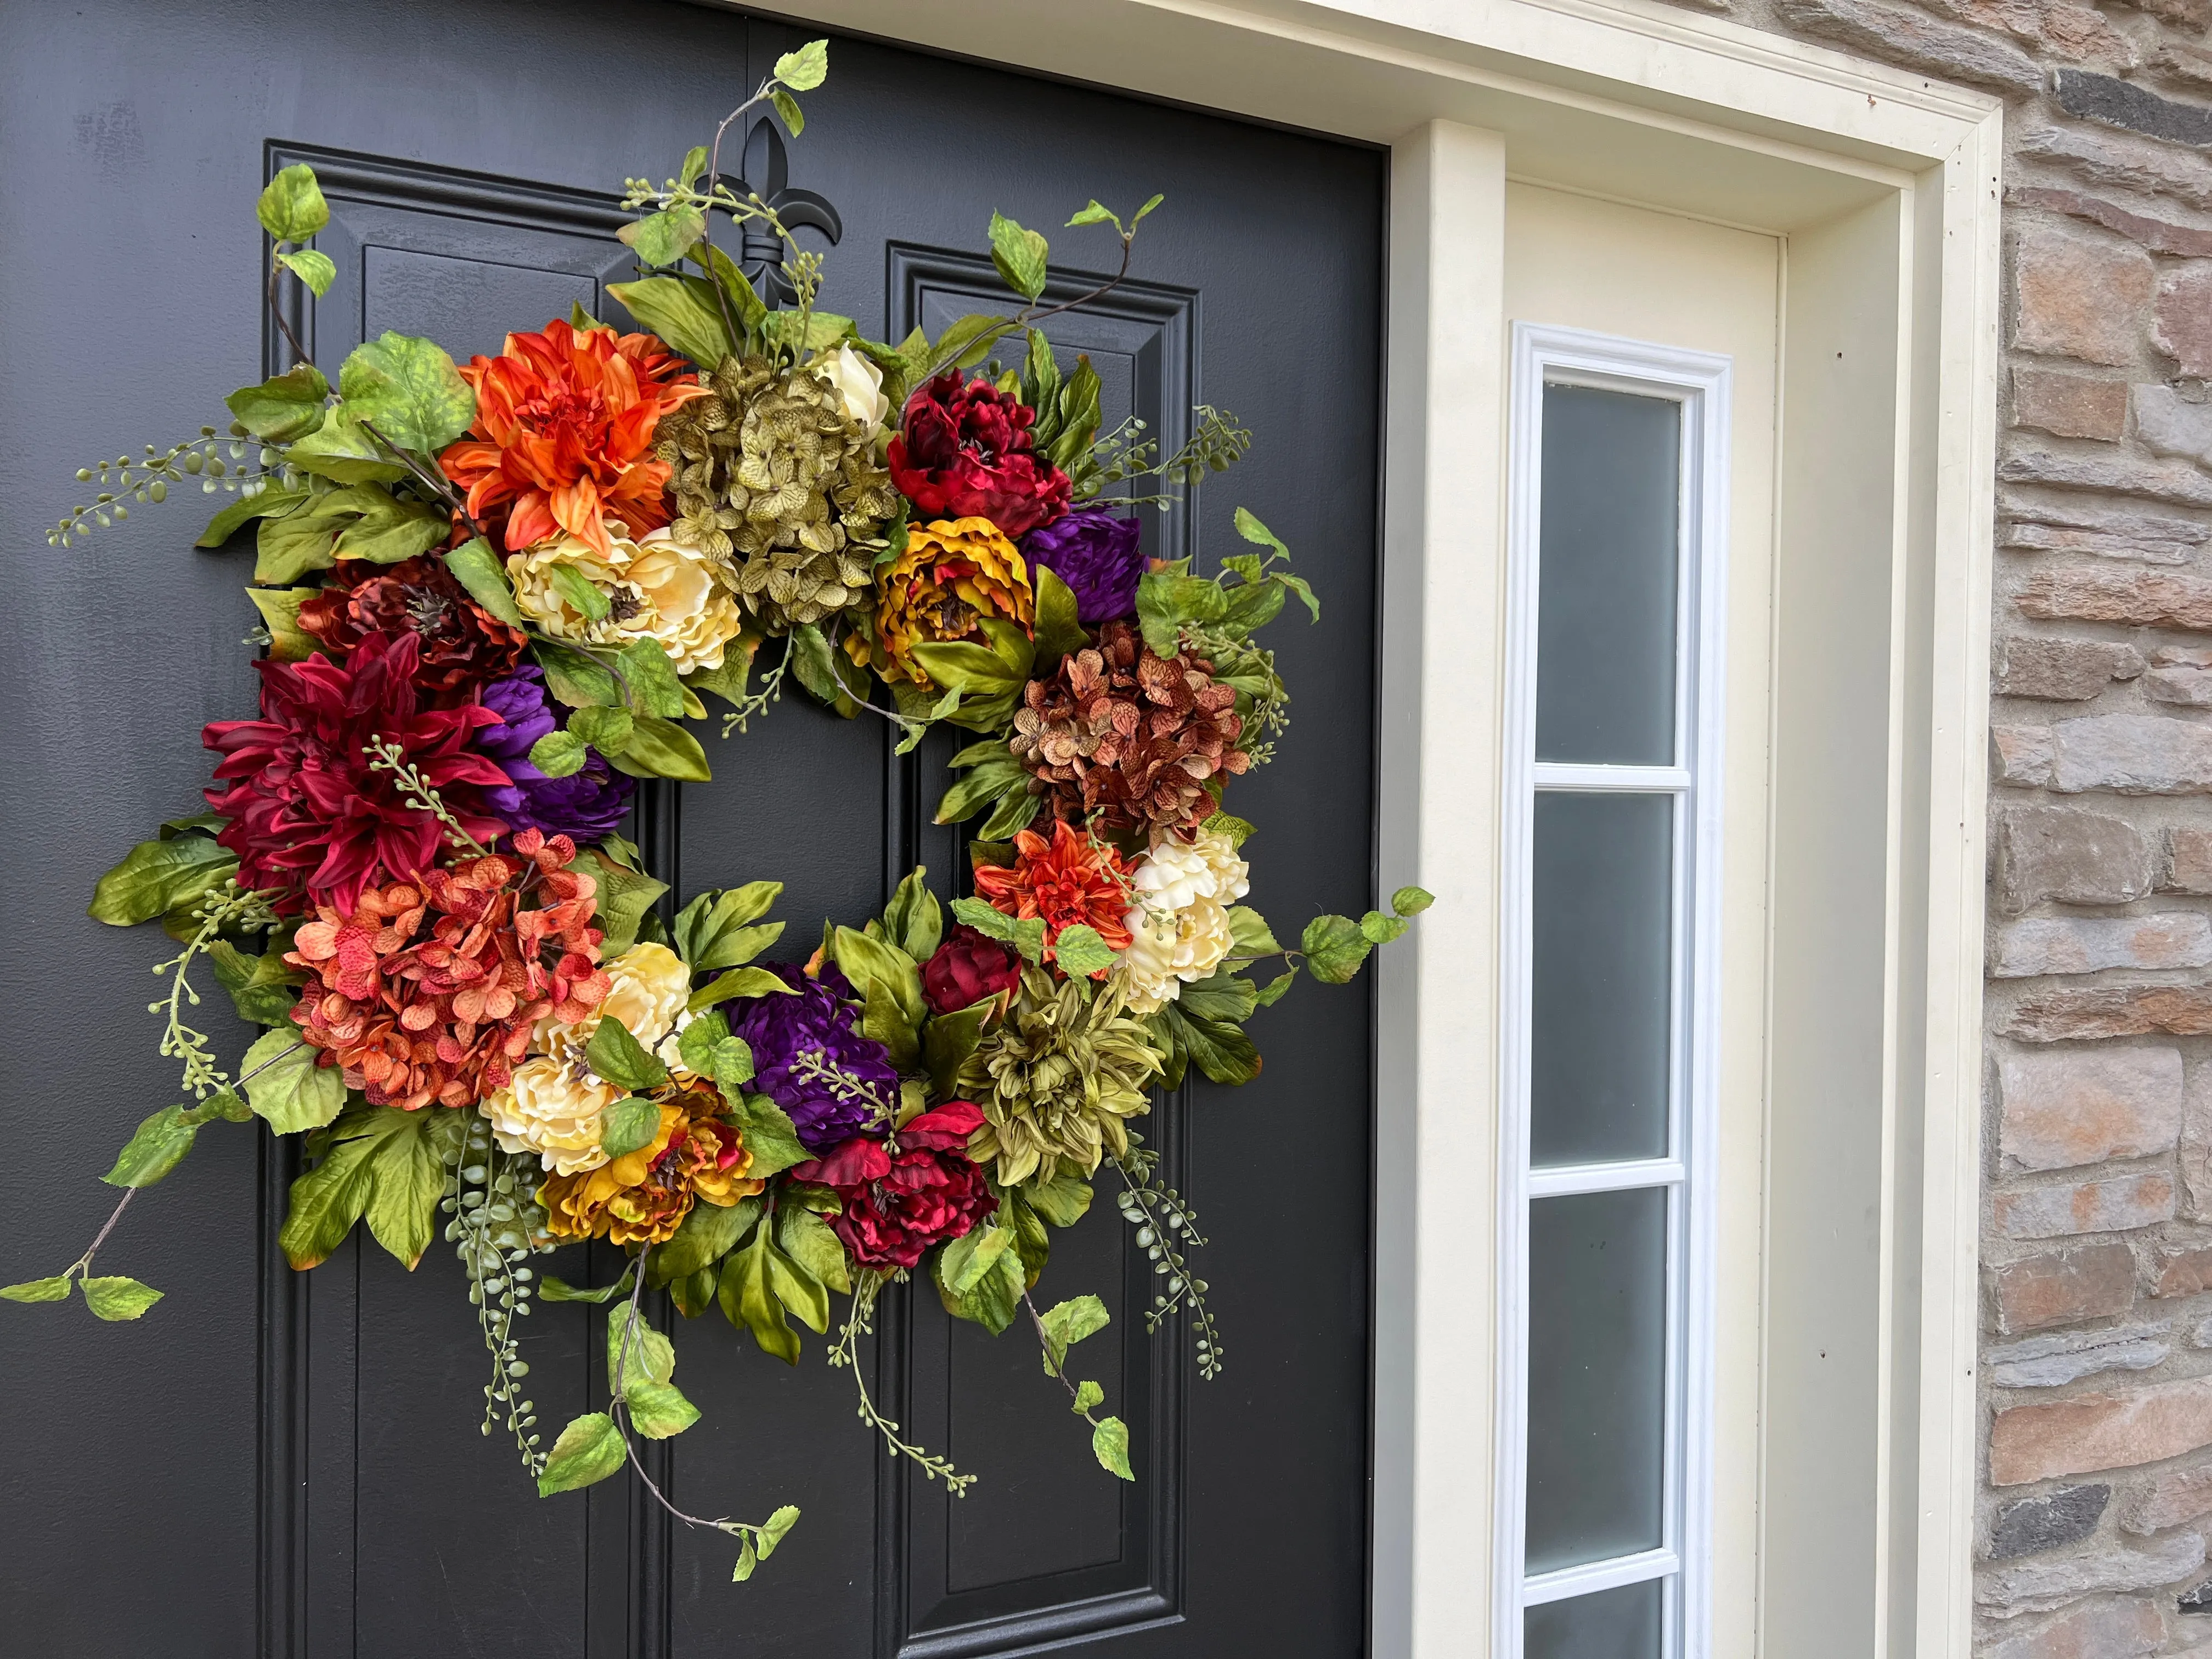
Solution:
(325, 1460)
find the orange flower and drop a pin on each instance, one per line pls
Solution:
(563, 434)
(1069, 879)
(643, 1197)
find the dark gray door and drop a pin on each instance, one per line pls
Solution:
(289, 1465)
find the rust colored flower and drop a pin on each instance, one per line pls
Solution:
(461, 645)
(1068, 879)
(953, 574)
(1126, 741)
(641, 1197)
(425, 992)
(966, 451)
(563, 434)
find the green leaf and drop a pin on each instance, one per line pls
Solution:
(708, 1233)
(883, 1021)
(558, 754)
(590, 1448)
(1249, 929)
(1109, 1443)
(1272, 992)
(1379, 929)
(661, 749)
(1092, 214)
(1166, 600)
(1080, 952)
(711, 931)
(770, 1136)
(118, 1299)
(913, 919)
(964, 343)
(1061, 1200)
(280, 615)
(1025, 936)
(574, 678)
(664, 238)
(738, 982)
(748, 1301)
(774, 1528)
(1143, 210)
(652, 1356)
(629, 1123)
(747, 1562)
(1253, 530)
(615, 1055)
(1058, 631)
(408, 389)
(1334, 948)
(341, 451)
(653, 687)
(869, 962)
(695, 163)
(994, 1295)
(1412, 901)
(282, 407)
(156, 876)
(657, 1410)
(157, 1147)
(623, 897)
(988, 782)
(1020, 256)
(289, 546)
(37, 1290)
(1299, 586)
(728, 680)
(817, 672)
(313, 269)
(681, 310)
(235, 515)
(292, 208)
(580, 595)
(1013, 812)
(1078, 416)
(949, 1039)
(1221, 995)
(787, 106)
(1068, 1323)
(478, 569)
(802, 71)
(607, 730)
(810, 1241)
(285, 1084)
(801, 1293)
(407, 1177)
(551, 1289)
(1216, 1047)
(327, 1199)
(1087, 1395)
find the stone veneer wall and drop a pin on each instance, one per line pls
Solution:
(2097, 1234)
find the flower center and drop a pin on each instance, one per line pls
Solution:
(563, 405)
(427, 609)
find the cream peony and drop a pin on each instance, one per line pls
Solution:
(655, 588)
(555, 1110)
(650, 988)
(1175, 874)
(859, 382)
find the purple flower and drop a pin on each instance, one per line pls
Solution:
(809, 1060)
(1097, 554)
(587, 805)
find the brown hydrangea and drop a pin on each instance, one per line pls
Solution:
(1126, 741)
(426, 992)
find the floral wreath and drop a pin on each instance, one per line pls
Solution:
(491, 594)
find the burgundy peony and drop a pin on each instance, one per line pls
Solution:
(964, 453)
(586, 805)
(967, 968)
(462, 645)
(811, 1058)
(899, 1202)
(308, 816)
(1098, 555)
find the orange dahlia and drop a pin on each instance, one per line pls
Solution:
(426, 991)
(1068, 879)
(563, 435)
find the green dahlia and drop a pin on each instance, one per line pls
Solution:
(1055, 1081)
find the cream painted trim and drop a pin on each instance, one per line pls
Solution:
(1876, 174)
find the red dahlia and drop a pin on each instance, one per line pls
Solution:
(462, 644)
(309, 819)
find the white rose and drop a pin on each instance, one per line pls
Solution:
(859, 382)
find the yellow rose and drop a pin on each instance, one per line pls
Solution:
(655, 588)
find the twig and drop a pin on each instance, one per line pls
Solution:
(298, 352)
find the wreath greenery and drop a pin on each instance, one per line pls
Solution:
(490, 597)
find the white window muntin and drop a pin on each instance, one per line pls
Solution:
(1698, 381)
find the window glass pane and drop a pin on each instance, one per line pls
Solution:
(1605, 614)
(1603, 923)
(1597, 1376)
(1614, 1624)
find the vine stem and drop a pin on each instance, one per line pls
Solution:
(714, 183)
(84, 1261)
(298, 352)
(1058, 1366)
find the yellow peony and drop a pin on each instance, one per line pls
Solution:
(954, 572)
(655, 588)
(554, 1109)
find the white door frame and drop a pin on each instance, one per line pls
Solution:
(1884, 185)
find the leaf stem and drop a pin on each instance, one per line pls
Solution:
(845, 1351)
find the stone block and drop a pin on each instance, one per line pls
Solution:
(2185, 63)
(2159, 235)
(1914, 38)
(2022, 754)
(2090, 1013)
(2173, 1497)
(2117, 103)
(2084, 944)
(2063, 1288)
(2196, 1153)
(2132, 754)
(2093, 1432)
(2049, 1523)
(2061, 671)
(2068, 405)
(2079, 513)
(2071, 1107)
(2104, 1630)
(2181, 326)
(2171, 424)
(2040, 1586)
(2188, 687)
(2189, 859)
(2102, 544)
(2141, 599)
(2174, 482)
(2074, 296)
(2179, 1270)
(2066, 853)
(2052, 1362)
(2117, 161)
(2115, 1205)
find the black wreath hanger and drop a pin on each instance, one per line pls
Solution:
(767, 174)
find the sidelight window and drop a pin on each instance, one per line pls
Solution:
(1617, 503)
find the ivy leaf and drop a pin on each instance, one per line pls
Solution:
(664, 238)
(37, 1290)
(1068, 1323)
(157, 876)
(1087, 1395)
(802, 71)
(1109, 1443)
(1334, 948)
(313, 269)
(292, 208)
(558, 754)
(629, 1123)
(1412, 901)
(282, 407)
(1081, 952)
(285, 1085)
(615, 1055)
(657, 1410)
(157, 1147)
(787, 106)
(118, 1299)
(590, 1448)
(408, 389)
(653, 687)
(1379, 929)
(478, 569)
(1020, 256)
